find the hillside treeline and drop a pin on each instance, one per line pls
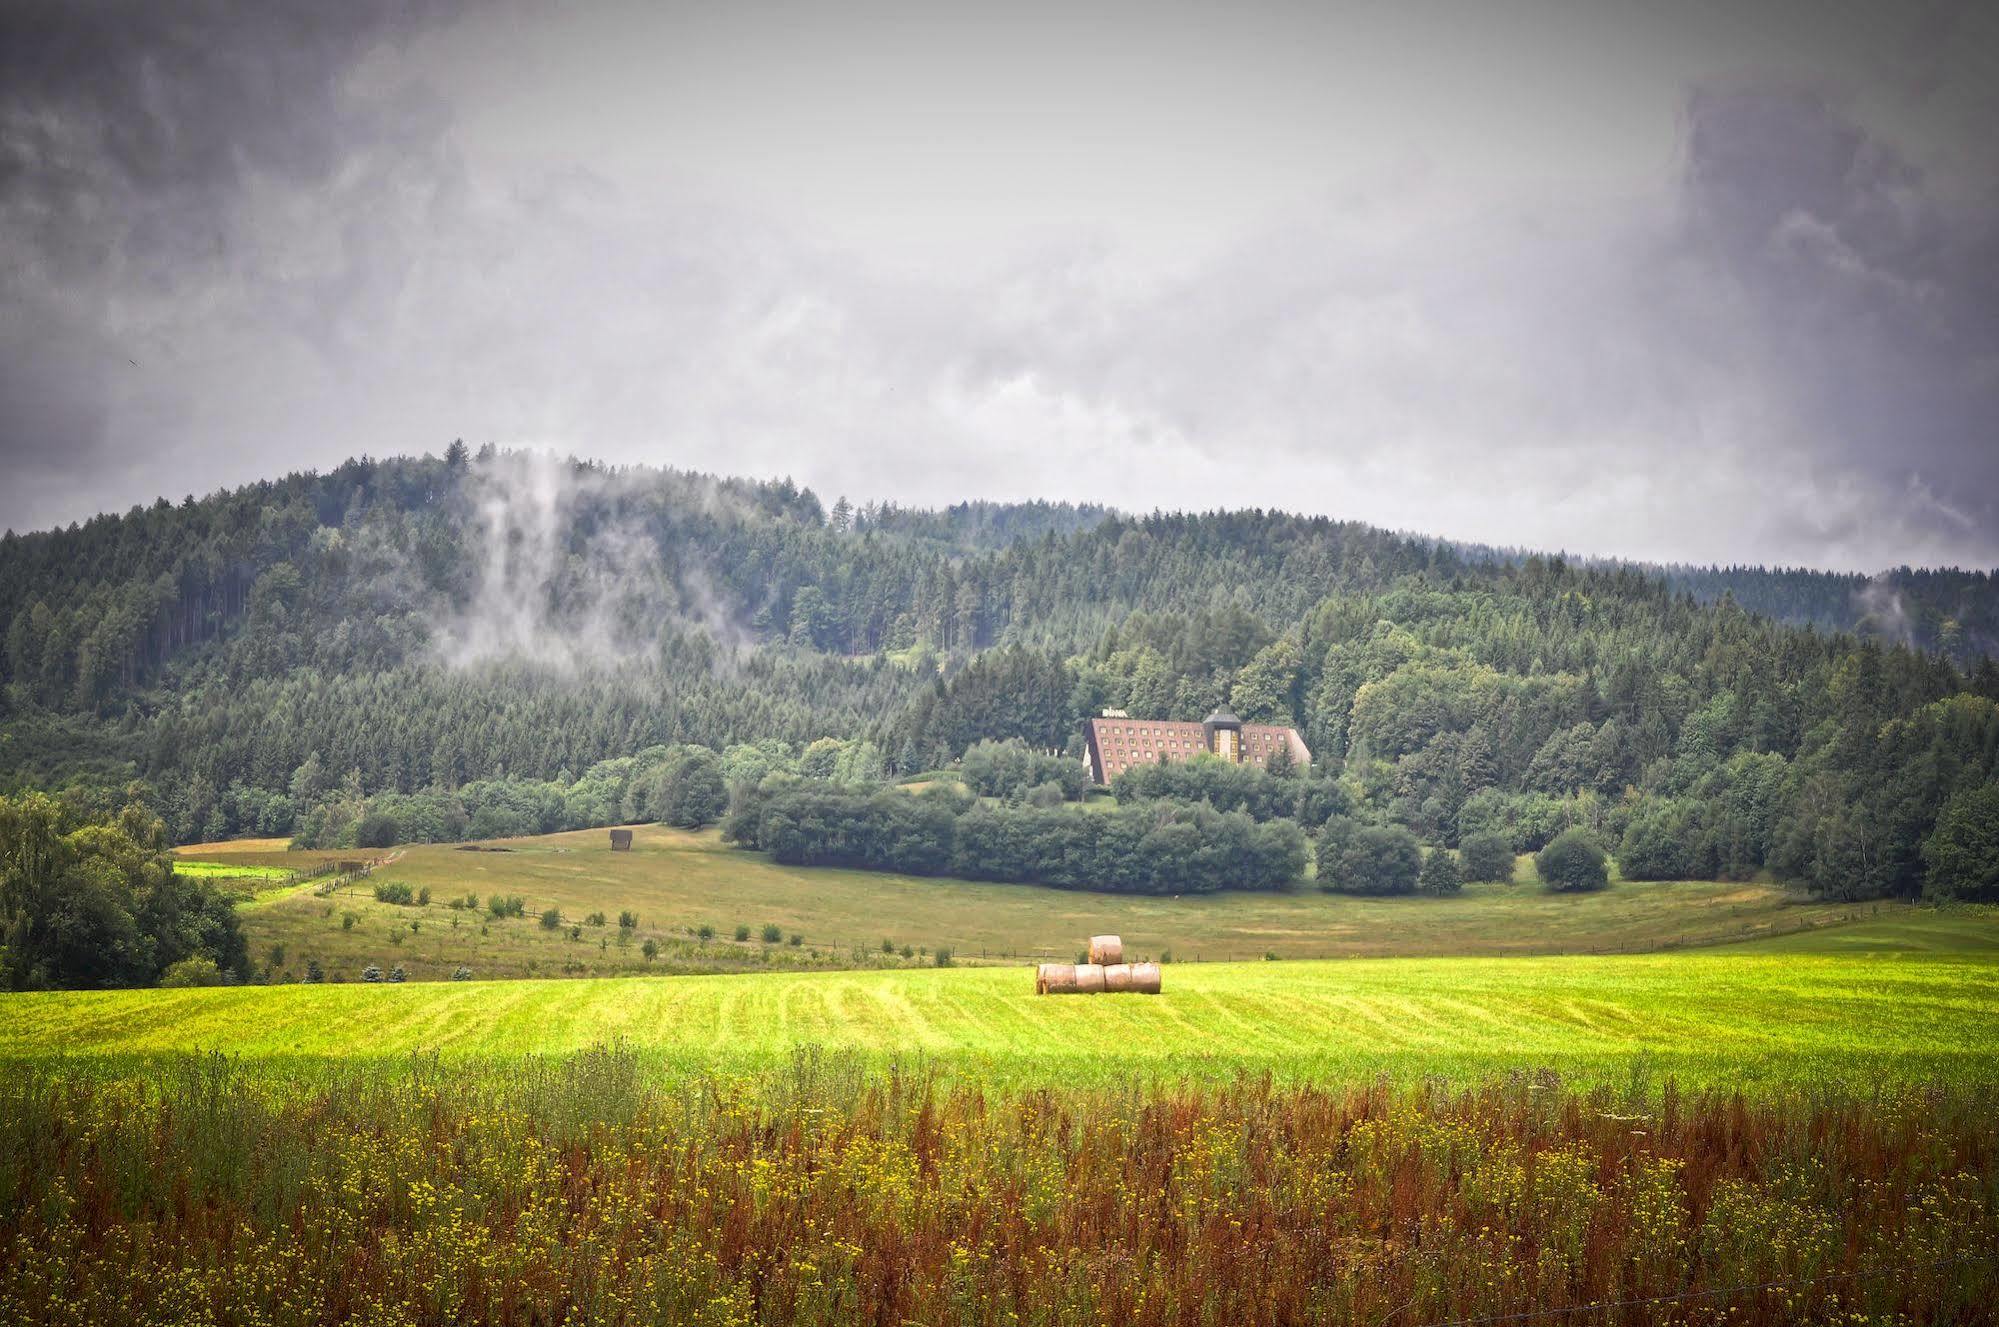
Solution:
(418, 628)
(1946, 609)
(682, 785)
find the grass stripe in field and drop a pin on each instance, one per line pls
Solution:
(1704, 1018)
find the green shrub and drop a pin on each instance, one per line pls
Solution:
(1377, 859)
(377, 830)
(943, 956)
(705, 931)
(1665, 840)
(399, 974)
(371, 973)
(594, 919)
(1045, 795)
(1573, 863)
(461, 974)
(423, 897)
(1440, 874)
(510, 906)
(796, 939)
(551, 919)
(742, 932)
(650, 949)
(772, 933)
(393, 891)
(1486, 857)
(628, 920)
(198, 971)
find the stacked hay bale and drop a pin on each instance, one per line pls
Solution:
(1105, 972)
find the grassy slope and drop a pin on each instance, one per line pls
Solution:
(1700, 1017)
(676, 881)
(1972, 931)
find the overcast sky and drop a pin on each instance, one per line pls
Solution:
(1689, 281)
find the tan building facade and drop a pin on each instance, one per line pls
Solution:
(1114, 742)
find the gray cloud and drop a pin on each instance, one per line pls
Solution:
(1877, 311)
(148, 154)
(1780, 346)
(128, 128)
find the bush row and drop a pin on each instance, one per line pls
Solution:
(1156, 848)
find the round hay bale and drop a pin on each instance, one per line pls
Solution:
(1055, 979)
(1117, 977)
(1090, 978)
(1106, 949)
(1145, 978)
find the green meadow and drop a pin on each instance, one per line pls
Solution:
(677, 882)
(1714, 1020)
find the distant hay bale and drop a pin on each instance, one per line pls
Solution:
(621, 840)
(1117, 977)
(1090, 978)
(1055, 979)
(1106, 949)
(1145, 978)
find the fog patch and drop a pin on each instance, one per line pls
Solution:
(1882, 611)
(575, 567)
(564, 577)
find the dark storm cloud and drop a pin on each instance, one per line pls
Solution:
(129, 135)
(126, 129)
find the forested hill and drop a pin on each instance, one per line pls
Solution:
(1946, 609)
(435, 622)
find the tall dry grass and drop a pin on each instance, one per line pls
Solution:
(594, 1189)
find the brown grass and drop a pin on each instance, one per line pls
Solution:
(591, 1190)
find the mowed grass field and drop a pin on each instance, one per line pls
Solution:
(1702, 1019)
(677, 882)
